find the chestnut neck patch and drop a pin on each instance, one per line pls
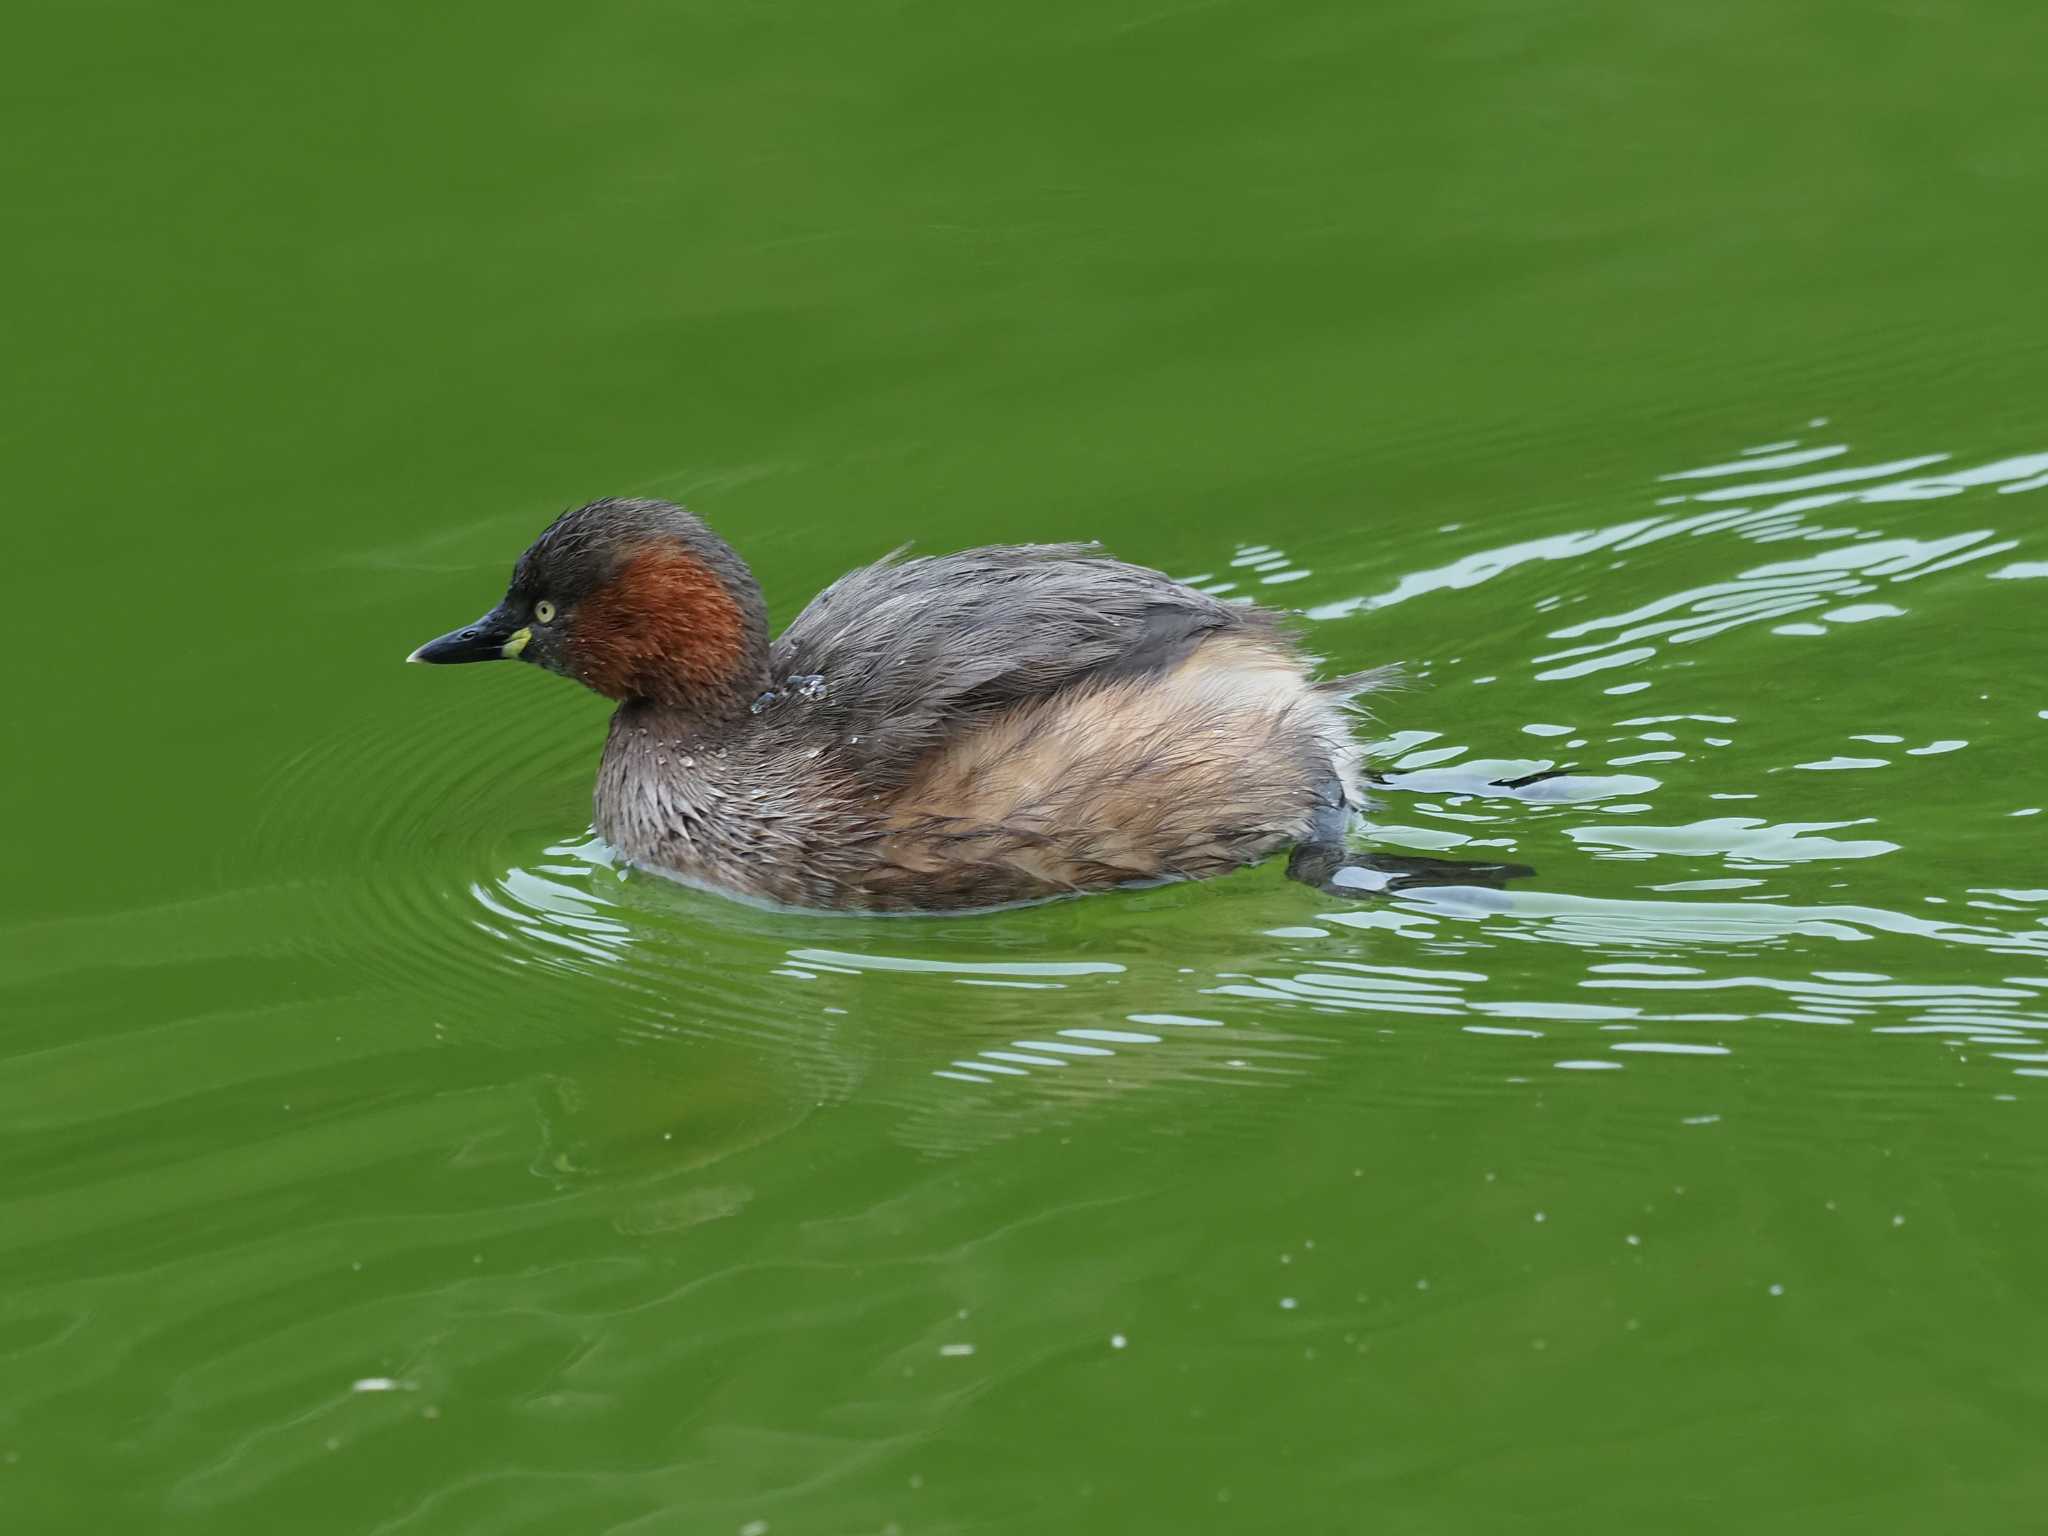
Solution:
(665, 627)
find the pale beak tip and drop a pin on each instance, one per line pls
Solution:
(415, 656)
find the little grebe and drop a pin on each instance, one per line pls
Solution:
(948, 732)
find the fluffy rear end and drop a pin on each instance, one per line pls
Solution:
(1223, 759)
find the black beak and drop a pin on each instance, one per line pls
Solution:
(494, 637)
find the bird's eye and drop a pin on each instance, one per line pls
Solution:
(544, 611)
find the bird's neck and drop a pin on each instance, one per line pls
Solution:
(669, 789)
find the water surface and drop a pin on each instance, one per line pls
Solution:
(1664, 389)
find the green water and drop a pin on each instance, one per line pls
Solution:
(1664, 384)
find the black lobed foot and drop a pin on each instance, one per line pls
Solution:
(1341, 871)
(1538, 777)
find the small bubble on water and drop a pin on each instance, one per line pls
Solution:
(1898, 1220)
(1777, 1289)
(1288, 1303)
(1633, 1241)
(754, 1528)
(1541, 1217)
(1117, 1341)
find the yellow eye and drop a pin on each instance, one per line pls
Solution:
(544, 611)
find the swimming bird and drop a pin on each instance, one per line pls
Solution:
(941, 733)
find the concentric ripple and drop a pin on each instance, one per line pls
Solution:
(397, 877)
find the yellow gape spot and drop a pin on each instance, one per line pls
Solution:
(516, 644)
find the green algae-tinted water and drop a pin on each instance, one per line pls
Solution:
(1666, 385)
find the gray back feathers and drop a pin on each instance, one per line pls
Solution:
(914, 651)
